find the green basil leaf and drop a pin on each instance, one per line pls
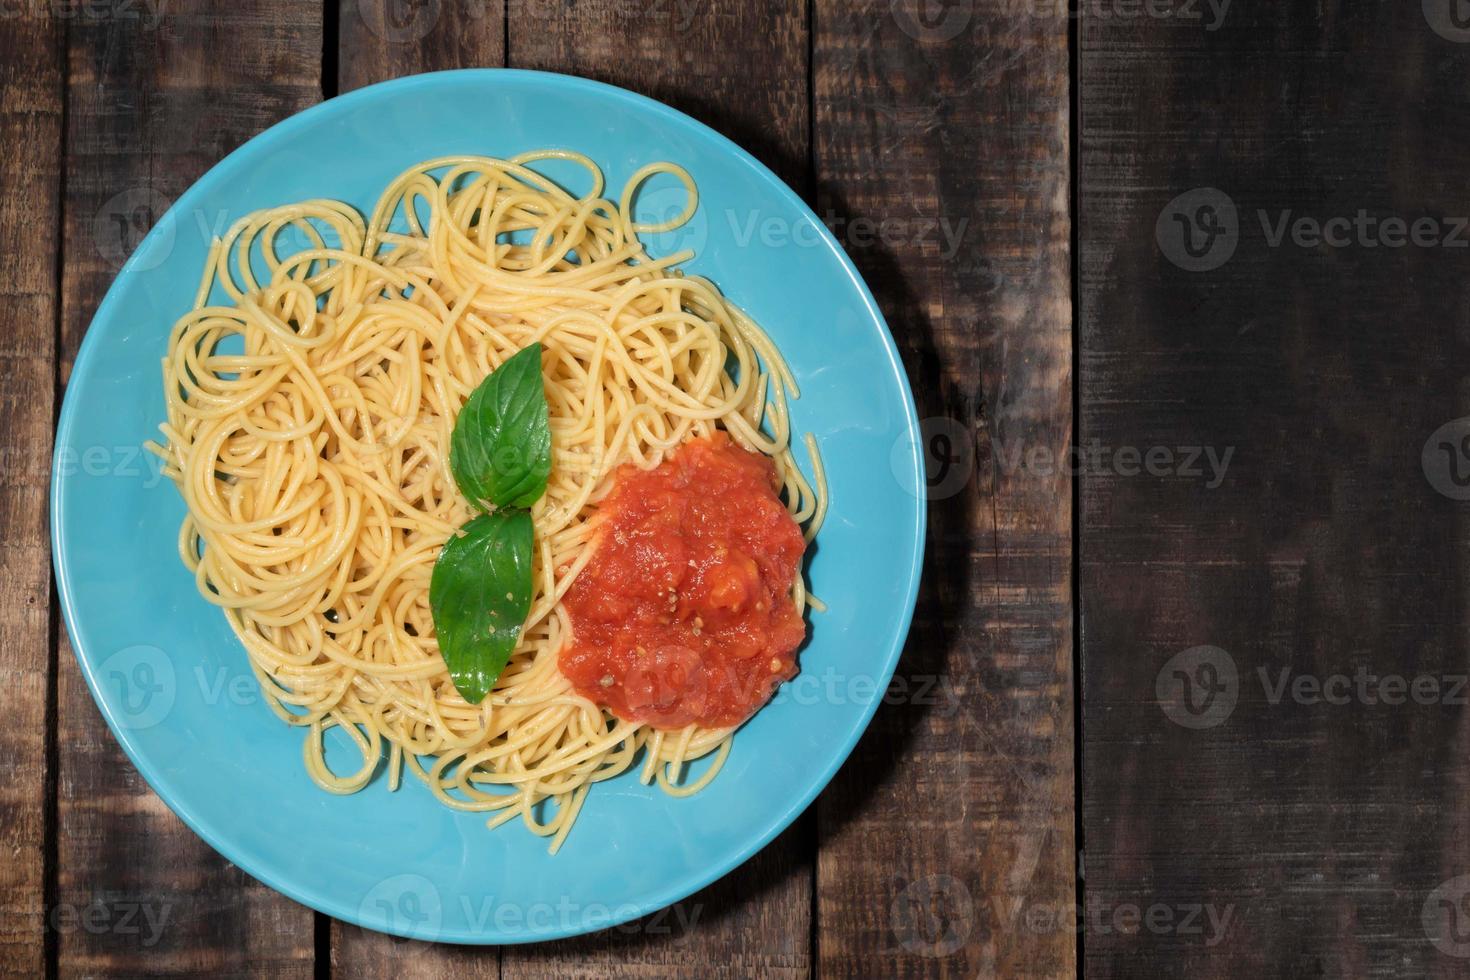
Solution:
(500, 452)
(480, 593)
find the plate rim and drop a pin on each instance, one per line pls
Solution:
(218, 839)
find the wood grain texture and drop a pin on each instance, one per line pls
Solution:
(738, 66)
(626, 44)
(383, 39)
(31, 94)
(942, 158)
(365, 955)
(1322, 830)
(742, 68)
(379, 40)
(154, 99)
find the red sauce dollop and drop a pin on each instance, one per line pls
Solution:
(684, 613)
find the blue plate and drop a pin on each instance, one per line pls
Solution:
(174, 684)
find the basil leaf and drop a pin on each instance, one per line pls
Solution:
(480, 593)
(500, 452)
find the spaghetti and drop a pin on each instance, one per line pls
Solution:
(308, 427)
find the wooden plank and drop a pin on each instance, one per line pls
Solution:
(379, 40)
(31, 94)
(1323, 831)
(584, 39)
(742, 68)
(754, 922)
(942, 156)
(738, 66)
(383, 39)
(154, 99)
(574, 39)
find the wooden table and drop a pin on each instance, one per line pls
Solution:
(1181, 453)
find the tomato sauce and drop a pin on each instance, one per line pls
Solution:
(684, 613)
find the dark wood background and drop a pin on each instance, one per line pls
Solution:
(1267, 836)
(1326, 551)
